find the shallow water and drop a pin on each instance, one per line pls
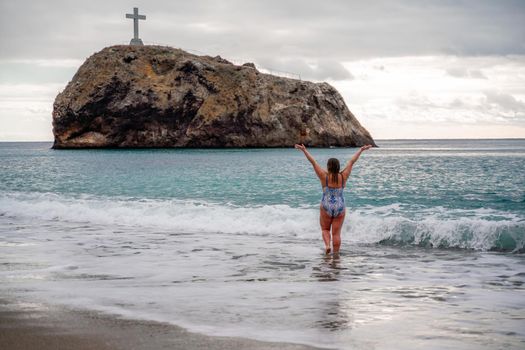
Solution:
(227, 241)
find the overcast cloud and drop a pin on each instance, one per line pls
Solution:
(339, 29)
(396, 63)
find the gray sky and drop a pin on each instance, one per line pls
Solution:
(405, 68)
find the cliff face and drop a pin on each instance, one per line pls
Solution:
(154, 96)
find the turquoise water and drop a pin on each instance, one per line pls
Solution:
(435, 230)
(454, 174)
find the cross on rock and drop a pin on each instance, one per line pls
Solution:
(136, 40)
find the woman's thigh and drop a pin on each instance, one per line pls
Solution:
(325, 220)
(337, 223)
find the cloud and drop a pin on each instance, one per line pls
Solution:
(331, 70)
(316, 70)
(9, 92)
(462, 72)
(412, 93)
(504, 101)
(62, 63)
(489, 107)
(28, 71)
(25, 111)
(338, 30)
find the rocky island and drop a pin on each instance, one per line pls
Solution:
(157, 96)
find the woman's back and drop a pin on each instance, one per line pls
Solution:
(329, 181)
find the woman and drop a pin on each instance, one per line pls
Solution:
(333, 202)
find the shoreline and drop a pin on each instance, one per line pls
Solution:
(25, 325)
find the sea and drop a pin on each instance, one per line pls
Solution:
(227, 241)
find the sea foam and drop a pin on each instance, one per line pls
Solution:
(397, 224)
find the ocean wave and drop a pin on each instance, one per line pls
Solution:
(397, 224)
(480, 229)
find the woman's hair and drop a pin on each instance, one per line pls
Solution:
(333, 169)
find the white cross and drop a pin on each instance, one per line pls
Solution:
(136, 17)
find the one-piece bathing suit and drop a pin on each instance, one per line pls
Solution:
(333, 201)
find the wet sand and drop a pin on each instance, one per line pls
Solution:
(25, 326)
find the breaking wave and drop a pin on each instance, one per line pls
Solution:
(437, 227)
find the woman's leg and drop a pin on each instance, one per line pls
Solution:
(337, 224)
(326, 222)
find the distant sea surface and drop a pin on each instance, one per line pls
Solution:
(227, 242)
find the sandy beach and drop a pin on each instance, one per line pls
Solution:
(28, 326)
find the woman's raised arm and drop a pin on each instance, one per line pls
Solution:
(348, 168)
(317, 168)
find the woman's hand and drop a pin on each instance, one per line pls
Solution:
(346, 171)
(318, 170)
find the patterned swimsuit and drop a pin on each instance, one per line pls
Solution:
(333, 201)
